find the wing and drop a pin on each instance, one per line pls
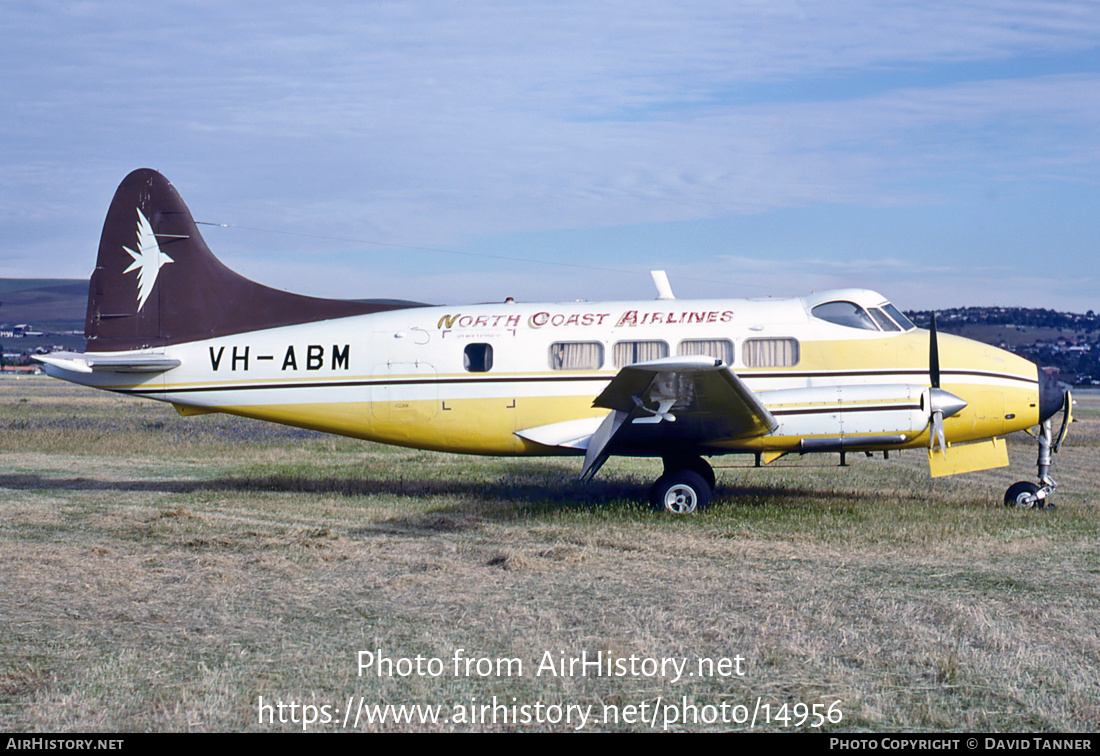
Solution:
(665, 405)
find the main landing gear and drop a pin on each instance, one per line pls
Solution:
(687, 486)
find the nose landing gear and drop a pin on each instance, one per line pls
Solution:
(1028, 495)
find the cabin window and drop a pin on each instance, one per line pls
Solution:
(845, 314)
(477, 358)
(576, 355)
(883, 322)
(630, 352)
(719, 349)
(766, 353)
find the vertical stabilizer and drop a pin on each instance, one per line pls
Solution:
(157, 283)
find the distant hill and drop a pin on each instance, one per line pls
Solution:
(1068, 342)
(46, 303)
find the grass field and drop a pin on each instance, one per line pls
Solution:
(161, 573)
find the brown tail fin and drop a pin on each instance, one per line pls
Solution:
(157, 283)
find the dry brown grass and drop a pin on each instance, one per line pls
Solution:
(160, 573)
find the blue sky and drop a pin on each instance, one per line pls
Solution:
(941, 153)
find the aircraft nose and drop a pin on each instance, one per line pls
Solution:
(1051, 395)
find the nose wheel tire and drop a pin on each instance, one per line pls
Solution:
(681, 492)
(1023, 495)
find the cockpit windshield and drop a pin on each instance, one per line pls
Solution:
(846, 314)
(885, 317)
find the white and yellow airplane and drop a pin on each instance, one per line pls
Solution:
(840, 371)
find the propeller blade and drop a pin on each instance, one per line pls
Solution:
(937, 434)
(934, 354)
(940, 404)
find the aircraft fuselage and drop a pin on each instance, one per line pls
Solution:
(420, 377)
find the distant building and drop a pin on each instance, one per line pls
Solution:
(22, 369)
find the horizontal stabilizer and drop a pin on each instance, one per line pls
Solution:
(91, 362)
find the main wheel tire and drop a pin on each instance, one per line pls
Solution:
(695, 464)
(681, 492)
(1021, 495)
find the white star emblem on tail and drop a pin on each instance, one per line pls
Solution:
(148, 259)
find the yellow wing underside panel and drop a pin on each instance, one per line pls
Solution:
(964, 458)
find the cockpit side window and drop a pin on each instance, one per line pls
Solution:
(845, 314)
(905, 323)
(883, 322)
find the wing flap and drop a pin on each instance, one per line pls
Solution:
(571, 434)
(599, 446)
